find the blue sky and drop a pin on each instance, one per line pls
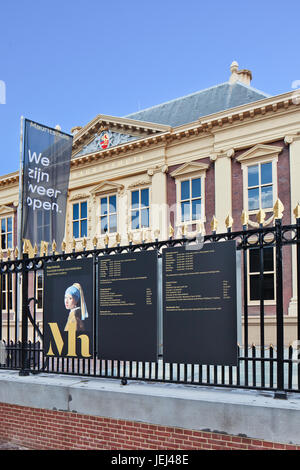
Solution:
(63, 62)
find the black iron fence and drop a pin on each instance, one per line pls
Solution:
(270, 263)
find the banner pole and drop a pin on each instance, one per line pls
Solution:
(19, 230)
(20, 205)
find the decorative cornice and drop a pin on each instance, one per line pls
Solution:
(78, 196)
(9, 179)
(141, 182)
(250, 110)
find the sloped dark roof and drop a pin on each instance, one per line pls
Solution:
(202, 103)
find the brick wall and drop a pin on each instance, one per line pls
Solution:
(43, 429)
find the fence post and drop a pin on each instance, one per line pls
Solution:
(298, 282)
(24, 362)
(279, 312)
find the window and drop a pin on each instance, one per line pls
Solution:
(268, 267)
(7, 292)
(108, 214)
(259, 166)
(190, 193)
(80, 219)
(190, 200)
(260, 186)
(6, 233)
(39, 289)
(140, 208)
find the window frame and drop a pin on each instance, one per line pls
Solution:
(37, 289)
(260, 185)
(102, 196)
(139, 189)
(245, 167)
(184, 177)
(5, 217)
(6, 292)
(179, 182)
(79, 202)
(249, 274)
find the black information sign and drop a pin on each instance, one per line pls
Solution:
(128, 307)
(200, 305)
(68, 308)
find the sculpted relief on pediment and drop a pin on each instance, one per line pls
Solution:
(106, 140)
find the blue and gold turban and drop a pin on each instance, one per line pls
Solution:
(77, 293)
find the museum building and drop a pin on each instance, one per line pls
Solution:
(190, 165)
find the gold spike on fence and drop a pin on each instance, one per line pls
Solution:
(35, 249)
(214, 224)
(244, 218)
(73, 244)
(53, 246)
(84, 243)
(95, 242)
(106, 240)
(130, 237)
(45, 248)
(278, 209)
(25, 247)
(16, 253)
(118, 238)
(260, 216)
(63, 246)
(229, 221)
(297, 211)
(1, 255)
(171, 232)
(8, 254)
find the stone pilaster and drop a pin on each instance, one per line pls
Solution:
(293, 141)
(223, 190)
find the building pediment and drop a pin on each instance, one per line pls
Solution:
(189, 169)
(6, 210)
(105, 132)
(107, 187)
(259, 151)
